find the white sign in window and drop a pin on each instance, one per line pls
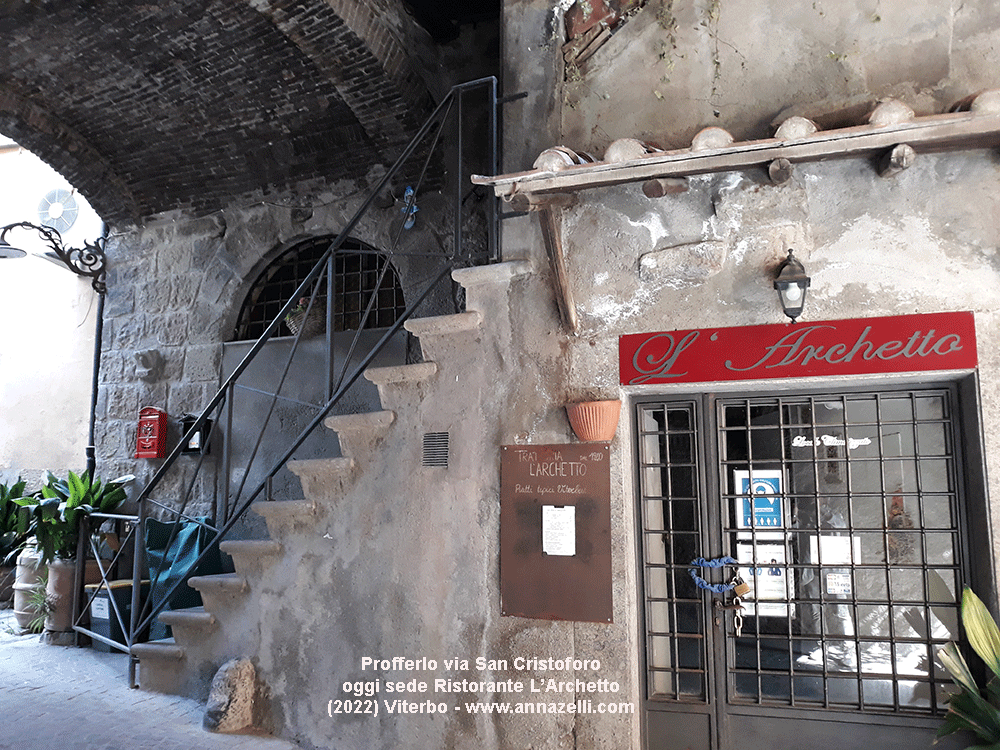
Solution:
(761, 505)
(559, 530)
(828, 549)
(838, 583)
(763, 566)
(99, 608)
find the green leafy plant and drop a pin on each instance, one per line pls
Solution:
(972, 708)
(40, 603)
(299, 309)
(13, 522)
(57, 510)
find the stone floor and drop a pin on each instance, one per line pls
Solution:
(78, 698)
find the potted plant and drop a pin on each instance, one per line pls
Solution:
(56, 512)
(13, 534)
(593, 418)
(974, 709)
(311, 320)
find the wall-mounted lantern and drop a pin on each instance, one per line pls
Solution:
(199, 441)
(89, 261)
(791, 284)
(151, 437)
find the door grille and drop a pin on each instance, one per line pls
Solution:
(675, 641)
(845, 516)
(853, 541)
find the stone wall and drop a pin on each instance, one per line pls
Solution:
(677, 66)
(175, 287)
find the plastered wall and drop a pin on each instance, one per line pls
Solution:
(921, 241)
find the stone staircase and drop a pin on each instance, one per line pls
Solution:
(291, 578)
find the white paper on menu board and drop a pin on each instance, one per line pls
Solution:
(559, 530)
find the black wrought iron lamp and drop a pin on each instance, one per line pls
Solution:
(792, 284)
(88, 261)
(6, 251)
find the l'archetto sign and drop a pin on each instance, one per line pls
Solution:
(904, 343)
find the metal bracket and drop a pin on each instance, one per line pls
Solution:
(512, 97)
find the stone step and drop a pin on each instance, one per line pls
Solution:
(366, 421)
(282, 516)
(222, 593)
(488, 289)
(449, 339)
(323, 478)
(163, 667)
(251, 554)
(193, 622)
(415, 373)
(495, 273)
(222, 583)
(443, 325)
(165, 650)
(359, 433)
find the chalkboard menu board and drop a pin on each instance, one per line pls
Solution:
(555, 531)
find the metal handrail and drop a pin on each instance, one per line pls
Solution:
(80, 610)
(439, 117)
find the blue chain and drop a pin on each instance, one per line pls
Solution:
(701, 562)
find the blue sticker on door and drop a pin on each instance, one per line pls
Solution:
(761, 506)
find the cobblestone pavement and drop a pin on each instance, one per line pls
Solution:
(64, 698)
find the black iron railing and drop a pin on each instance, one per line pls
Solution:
(438, 145)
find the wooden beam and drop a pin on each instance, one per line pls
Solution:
(949, 132)
(550, 220)
(780, 171)
(896, 159)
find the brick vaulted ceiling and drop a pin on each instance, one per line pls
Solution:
(161, 105)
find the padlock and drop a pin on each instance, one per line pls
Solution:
(740, 587)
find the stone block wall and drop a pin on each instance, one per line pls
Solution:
(175, 289)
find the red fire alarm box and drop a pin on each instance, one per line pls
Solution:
(151, 441)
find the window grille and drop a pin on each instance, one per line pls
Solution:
(356, 270)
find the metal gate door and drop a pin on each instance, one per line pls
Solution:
(843, 513)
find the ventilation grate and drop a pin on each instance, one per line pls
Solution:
(436, 448)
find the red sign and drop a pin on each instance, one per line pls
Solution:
(905, 343)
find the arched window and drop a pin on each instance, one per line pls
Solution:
(356, 270)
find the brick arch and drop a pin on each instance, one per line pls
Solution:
(366, 19)
(214, 104)
(378, 84)
(67, 153)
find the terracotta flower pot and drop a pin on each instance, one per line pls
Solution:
(594, 421)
